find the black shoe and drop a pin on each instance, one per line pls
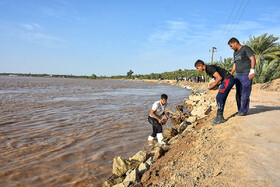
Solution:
(219, 119)
(241, 114)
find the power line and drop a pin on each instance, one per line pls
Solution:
(232, 31)
(228, 21)
(233, 20)
(240, 17)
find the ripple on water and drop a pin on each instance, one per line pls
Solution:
(57, 132)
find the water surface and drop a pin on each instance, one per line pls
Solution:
(57, 132)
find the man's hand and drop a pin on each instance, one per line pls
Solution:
(160, 121)
(251, 76)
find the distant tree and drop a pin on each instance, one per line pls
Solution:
(225, 63)
(93, 76)
(129, 74)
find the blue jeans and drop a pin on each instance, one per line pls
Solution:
(243, 92)
(224, 90)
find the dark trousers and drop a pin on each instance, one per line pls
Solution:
(224, 90)
(157, 128)
(243, 92)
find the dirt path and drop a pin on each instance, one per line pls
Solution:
(259, 138)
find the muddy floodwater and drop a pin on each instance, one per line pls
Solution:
(66, 132)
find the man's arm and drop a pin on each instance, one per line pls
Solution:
(218, 78)
(252, 70)
(152, 113)
(233, 69)
(165, 116)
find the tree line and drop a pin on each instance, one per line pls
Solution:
(267, 53)
(49, 75)
(265, 47)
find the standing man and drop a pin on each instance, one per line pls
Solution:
(156, 118)
(244, 65)
(222, 77)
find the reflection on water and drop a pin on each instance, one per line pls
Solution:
(67, 131)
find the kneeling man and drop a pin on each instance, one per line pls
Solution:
(156, 118)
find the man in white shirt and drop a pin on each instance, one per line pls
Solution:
(156, 118)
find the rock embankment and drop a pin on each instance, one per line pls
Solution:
(139, 169)
(243, 151)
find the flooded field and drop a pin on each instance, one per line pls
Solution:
(66, 132)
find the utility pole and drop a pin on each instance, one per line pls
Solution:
(214, 49)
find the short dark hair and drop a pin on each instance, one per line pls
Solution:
(164, 96)
(233, 40)
(198, 63)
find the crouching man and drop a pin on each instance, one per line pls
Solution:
(156, 118)
(221, 76)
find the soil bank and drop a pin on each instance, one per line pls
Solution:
(243, 151)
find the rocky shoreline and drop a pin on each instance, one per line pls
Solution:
(137, 170)
(243, 151)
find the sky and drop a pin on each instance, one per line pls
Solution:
(111, 37)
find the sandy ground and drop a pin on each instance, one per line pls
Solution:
(243, 151)
(259, 138)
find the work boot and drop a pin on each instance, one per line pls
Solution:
(160, 139)
(219, 119)
(150, 138)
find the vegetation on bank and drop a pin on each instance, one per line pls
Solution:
(266, 50)
(267, 53)
(265, 47)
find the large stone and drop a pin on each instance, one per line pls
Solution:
(133, 176)
(174, 140)
(170, 132)
(201, 111)
(108, 183)
(143, 168)
(119, 185)
(121, 165)
(183, 126)
(123, 184)
(112, 182)
(188, 130)
(179, 108)
(158, 153)
(149, 161)
(198, 110)
(188, 102)
(169, 110)
(177, 117)
(191, 119)
(141, 156)
(197, 97)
